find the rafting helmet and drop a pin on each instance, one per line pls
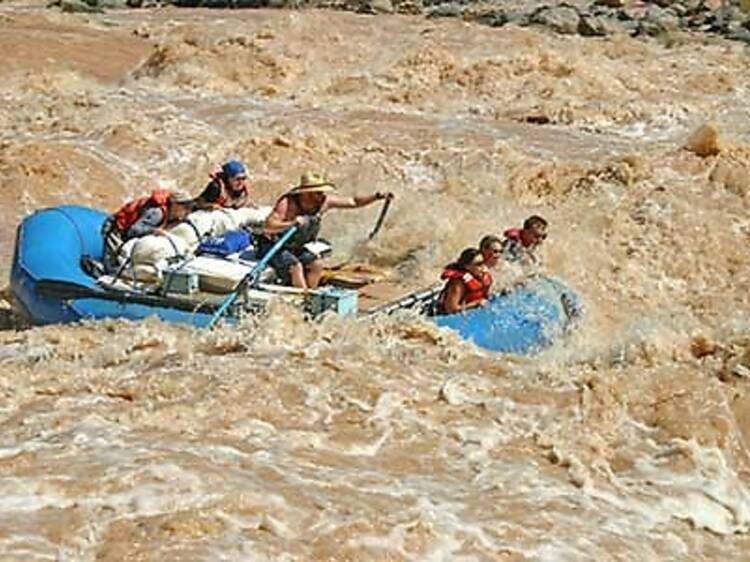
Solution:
(232, 169)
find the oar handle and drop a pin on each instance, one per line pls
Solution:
(253, 275)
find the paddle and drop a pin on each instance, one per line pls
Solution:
(381, 218)
(252, 277)
(327, 275)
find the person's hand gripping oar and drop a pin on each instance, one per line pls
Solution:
(254, 275)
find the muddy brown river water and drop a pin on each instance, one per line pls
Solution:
(387, 439)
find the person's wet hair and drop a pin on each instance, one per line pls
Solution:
(534, 221)
(487, 242)
(466, 258)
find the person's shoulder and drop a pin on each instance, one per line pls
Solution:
(509, 242)
(511, 248)
(211, 191)
(455, 282)
(282, 204)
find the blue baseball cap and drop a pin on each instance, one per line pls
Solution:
(233, 168)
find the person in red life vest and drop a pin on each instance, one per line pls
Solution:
(468, 283)
(521, 244)
(150, 214)
(228, 188)
(303, 206)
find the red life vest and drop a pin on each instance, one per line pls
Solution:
(474, 289)
(513, 234)
(226, 199)
(128, 214)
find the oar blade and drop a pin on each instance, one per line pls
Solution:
(381, 218)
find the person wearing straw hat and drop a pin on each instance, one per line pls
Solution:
(303, 205)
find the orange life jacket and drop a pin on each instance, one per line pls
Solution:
(128, 214)
(475, 289)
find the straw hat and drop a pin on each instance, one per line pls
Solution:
(311, 182)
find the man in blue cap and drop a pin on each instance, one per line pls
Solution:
(228, 188)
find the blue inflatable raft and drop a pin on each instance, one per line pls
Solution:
(49, 284)
(524, 320)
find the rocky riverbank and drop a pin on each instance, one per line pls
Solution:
(663, 19)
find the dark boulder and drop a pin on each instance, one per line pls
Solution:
(562, 18)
